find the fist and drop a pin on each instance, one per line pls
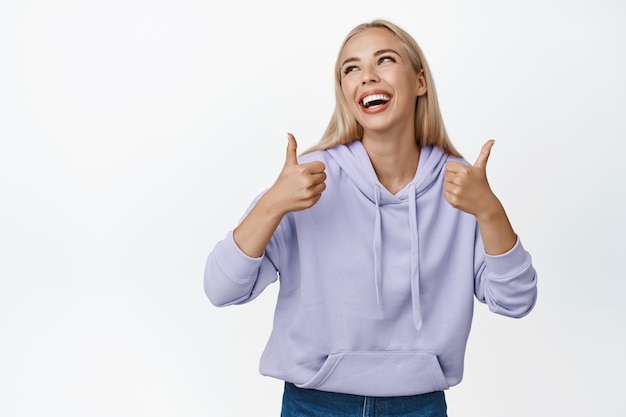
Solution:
(466, 187)
(299, 186)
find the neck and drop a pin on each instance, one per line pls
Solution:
(395, 161)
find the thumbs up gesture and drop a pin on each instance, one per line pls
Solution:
(299, 186)
(466, 187)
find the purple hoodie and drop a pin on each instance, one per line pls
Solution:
(376, 290)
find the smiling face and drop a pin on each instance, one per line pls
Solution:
(379, 83)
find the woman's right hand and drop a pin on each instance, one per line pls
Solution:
(299, 186)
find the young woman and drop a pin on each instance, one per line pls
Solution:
(381, 236)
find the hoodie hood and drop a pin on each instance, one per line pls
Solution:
(355, 162)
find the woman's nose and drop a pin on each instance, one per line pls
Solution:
(369, 75)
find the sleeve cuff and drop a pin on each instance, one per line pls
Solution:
(238, 266)
(508, 263)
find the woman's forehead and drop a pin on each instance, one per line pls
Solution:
(370, 41)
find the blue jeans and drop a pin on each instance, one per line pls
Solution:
(299, 402)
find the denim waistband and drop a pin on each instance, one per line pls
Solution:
(299, 402)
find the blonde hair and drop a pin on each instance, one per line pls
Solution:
(344, 129)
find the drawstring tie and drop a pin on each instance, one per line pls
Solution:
(415, 271)
(378, 268)
(377, 246)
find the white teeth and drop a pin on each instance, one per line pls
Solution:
(375, 97)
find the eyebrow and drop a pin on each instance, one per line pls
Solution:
(377, 53)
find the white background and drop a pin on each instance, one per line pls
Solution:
(133, 135)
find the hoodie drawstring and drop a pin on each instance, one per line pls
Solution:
(415, 273)
(415, 270)
(378, 268)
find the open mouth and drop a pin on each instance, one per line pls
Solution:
(374, 100)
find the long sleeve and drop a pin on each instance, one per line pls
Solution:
(507, 283)
(232, 277)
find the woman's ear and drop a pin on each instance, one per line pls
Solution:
(422, 86)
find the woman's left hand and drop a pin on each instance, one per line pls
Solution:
(466, 187)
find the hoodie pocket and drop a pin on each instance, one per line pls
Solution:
(380, 373)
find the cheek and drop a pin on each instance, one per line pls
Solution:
(414, 83)
(345, 91)
(348, 89)
(348, 96)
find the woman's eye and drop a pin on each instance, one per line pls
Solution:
(349, 69)
(386, 59)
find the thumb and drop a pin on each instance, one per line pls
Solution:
(291, 157)
(481, 161)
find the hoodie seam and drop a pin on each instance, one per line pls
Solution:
(230, 274)
(510, 274)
